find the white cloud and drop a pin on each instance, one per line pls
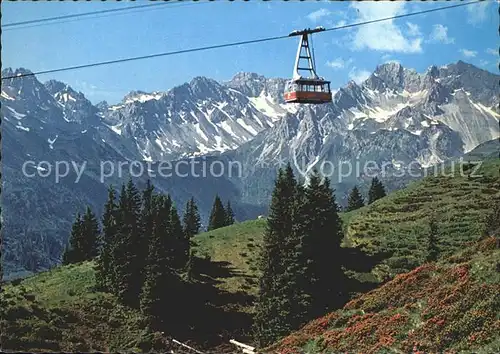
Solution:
(468, 53)
(477, 13)
(338, 63)
(383, 36)
(492, 51)
(358, 75)
(318, 14)
(483, 62)
(413, 29)
(440, 34)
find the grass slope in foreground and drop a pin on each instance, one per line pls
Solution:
(447, 306)
(59, 310)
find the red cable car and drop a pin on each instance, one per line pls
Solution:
(312, 89)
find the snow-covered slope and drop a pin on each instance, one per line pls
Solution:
(200, 117)
(397, 118)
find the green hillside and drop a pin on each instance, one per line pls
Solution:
(235, 247)
(59, 311)
(394, 226)
(398, 223)
(450, 306)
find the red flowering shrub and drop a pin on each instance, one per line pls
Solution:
(434, 308)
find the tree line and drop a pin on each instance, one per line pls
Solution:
(142, 249)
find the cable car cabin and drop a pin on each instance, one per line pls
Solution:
(302, 89)
(314, 91)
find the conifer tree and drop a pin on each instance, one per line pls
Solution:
(376, 191)
(158, 281)
(317, 222)
(297, 291)
(147, 211)
(127, 254)
(121, 253)
(180, 245)
(325, 237)
(74, 252)
(217, 215)
(355, 200)
(272, 308)
(432, 241)
(90, 235)
(229, 214)
(146, 222)
(104, 269)
(191, 219)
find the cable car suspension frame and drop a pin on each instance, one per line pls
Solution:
(312, 89)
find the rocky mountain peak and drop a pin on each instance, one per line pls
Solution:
(204, 87)
(103, 105)
(250, 84)
(54, 86)
(432, 71)
(19, 71)
(392, 74)
(247, 76)
(26, 88)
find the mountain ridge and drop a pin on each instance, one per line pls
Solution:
(397, 115)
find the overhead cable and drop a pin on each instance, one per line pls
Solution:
(217, 46)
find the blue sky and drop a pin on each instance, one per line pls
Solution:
(468, 33)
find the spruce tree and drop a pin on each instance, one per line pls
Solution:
(297, 291)
(217, 215)
(104, 269)
(180, 245)
(191, 219)
(272, 308)
(122, 252)
(325, 237)
(156, 291)
(191, 227)
(147, 211)
(74, 252)
(376, 191)
(127, 254)
(146, 223)
(229, 214)
(90, 235)
(318, 225)
(355, 200)
(432, 241)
